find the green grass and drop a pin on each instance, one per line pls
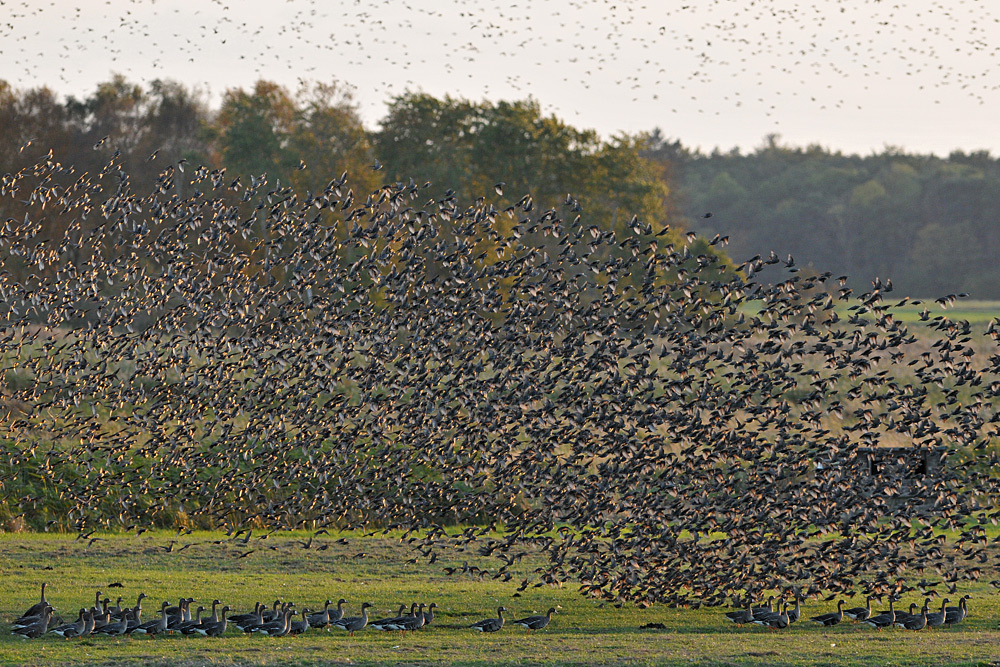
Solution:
(583, 632)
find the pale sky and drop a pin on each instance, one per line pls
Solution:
(850, 75)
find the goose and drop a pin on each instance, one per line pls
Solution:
(936, 619)
(247, 622)
(339, 614)
(955, 615)
(414, 621)
(917, 622)
(36, 629)
(490, 624)
(354, 623)
(154, 627)
(114, 628)
(909, 613)
(832, 618)
(187, 628)
(103, 616)
(298, 627)
(69, 630)
(774, 621)
(742, 616)
(97, 603)
(321, 619)
(217, 629)
(39, 607)
(277, 628)
(272, 614)
(429, 614)
(536, 622)
(883, 620)
(795, 613)
(251, 616)
(390, 622)
(860, 613)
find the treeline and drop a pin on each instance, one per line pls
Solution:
(930, 224)
(309, 137)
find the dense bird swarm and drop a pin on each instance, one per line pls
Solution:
(666, 427)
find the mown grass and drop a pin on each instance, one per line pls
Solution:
(375, 569)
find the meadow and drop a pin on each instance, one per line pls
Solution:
(379, 569)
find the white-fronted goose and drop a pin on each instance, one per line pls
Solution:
(37, 609)
(321, 619)
(794, 613)
(936, 619)
(390, 622)
(354, 623)
(413, 622)
(429, 614)
(490, 624)
(156, 626)
(70, 630)
(187, 628)
(217, 629)
(860, 613)
(339, 613)
(114, 628)
(774, 621)
(277, 628)
(832, 618)
(742, 616)
(955, 615)
(36, 629)
(915, 622)
(883, 620)
(536, 622)
(298, 627)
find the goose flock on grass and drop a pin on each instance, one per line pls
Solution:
(778, 619)
(229, 352)
(279, 620)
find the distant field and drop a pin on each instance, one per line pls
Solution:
(376, 570)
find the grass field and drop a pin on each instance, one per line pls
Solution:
(376, 570)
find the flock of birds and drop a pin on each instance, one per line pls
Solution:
(251, 357)
(278, 621)
(737, 61)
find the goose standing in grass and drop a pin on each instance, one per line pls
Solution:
(338, 614)
(115, 628)
(795, 613)
(936, 619)
(429, 614)
(833, 618)
(216, 629)
(39, 607)
(354, 623)
(278, 628)
(321, 619)
(885, 619)
(187, 628)
(742, 616)
(490, 624)
(70, 630)
(536, 622)
(774, 621)
(156, 626)
(390, 622)
(413, 622)
(298, 627)
(36, 629)
(860, 613)
(955, 615)
(915, 621)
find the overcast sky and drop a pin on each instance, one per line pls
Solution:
(851, 75)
